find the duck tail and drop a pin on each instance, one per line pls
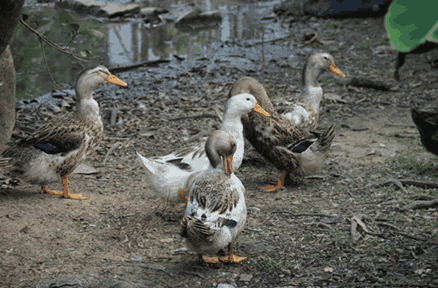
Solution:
(146, 163)
(326, 139)
(191, 225)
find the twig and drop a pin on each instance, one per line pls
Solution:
(388, 225)
(135, 66)
(420, 205)
(303, 214)
(390, 182)
(109, 152)
(366, 83)
(409, 236)
(421, 184)
(47, 66)
(200, 116)
(54, 45)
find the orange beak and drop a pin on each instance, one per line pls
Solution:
(336, 70)
(110, 78)
(257, 108)
(230, 164)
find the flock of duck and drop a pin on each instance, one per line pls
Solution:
(203, 175)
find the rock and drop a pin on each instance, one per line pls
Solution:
(245, 277)
(99, 9)
(86, 169)
(223, 285)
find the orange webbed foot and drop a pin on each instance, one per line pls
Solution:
(232, 259)
(65, 193)
(205, 259)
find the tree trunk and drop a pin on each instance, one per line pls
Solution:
(10, 14)
(7, 97)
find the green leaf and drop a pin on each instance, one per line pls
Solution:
(410, 23)
(65, 18)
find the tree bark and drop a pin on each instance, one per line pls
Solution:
(10, 14)
(7, 97)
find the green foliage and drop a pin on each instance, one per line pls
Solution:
(410, 23)
(81, 36)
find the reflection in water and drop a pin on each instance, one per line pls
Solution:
(136, 42)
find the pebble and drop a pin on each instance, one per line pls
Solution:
(245, 277)
(223, 285)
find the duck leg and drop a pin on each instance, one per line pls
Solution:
(182, 196)
(231, 258)
(65, 193)
(280, 182)
(205, 259)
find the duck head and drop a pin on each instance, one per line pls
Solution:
(317, 64)
(220, 148)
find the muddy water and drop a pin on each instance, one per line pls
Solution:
(229, 42)
(135, 41)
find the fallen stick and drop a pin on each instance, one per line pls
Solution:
(134, 66)
(420, 205)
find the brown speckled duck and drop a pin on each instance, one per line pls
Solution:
(55, 150)
(304, 110)
(216, 209)
(427, 124)
(290, 148)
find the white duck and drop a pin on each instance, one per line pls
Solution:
(169, 174)
(304, 110)
(216, 210)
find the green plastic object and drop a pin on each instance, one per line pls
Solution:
(410, 23)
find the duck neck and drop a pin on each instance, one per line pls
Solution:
(311, 88)
(87, 107)
(233, 125)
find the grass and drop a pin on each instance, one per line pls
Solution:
(363, 45)
(415, 165)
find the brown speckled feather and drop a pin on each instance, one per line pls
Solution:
(216, 194)
(197, 225)
(67, 132)
(269, 135)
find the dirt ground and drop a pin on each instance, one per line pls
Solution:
(347, 226)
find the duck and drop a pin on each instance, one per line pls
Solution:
(55, 150)
(168, 174)
(289, 147)
(304, 109)
(216, 211)
(427, 124)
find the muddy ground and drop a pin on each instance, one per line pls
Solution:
(301, 236)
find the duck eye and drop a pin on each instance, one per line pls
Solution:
(247, 99)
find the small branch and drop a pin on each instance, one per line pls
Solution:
(366, 83)
(135, 66)
(420, 205)
(109, 152)
(56, 46)
(45, 61)
(303, 214)
(421, 184)
(390, 182)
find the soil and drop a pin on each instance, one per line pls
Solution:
(301, 236)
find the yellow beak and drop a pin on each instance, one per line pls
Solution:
(336, 70)
(110, 78)
(257, 108)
